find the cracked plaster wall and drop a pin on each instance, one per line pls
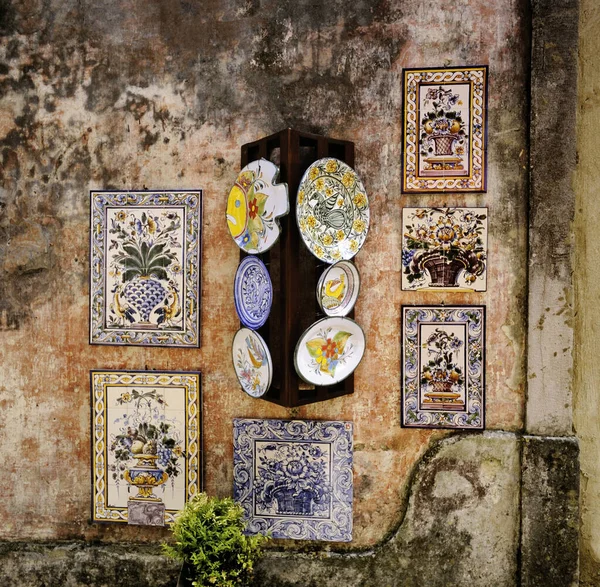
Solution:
(135, 94)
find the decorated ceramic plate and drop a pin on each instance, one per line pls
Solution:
(254, 205)
(329, 351)
(337, 289)
(252, 292)
(332, 210)
(252, 362)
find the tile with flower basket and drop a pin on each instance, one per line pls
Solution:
(445, 129)
(444, 248)
(294, 477)
(443, 367)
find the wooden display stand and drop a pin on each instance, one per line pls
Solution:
(294, 270)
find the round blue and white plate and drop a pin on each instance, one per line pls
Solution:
(252, 292)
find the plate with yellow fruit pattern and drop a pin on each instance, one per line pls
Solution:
(329, 351)
(338, 288)
(332, 210)
(254, 205)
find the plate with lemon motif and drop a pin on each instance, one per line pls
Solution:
(338, 288)
(252, 362)
(332, 210)
(329, 351)
(254, 205)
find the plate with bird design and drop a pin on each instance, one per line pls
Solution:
(254, 205)
(338, 288)
(329, 351)
(332, 210)
(252, 292)
(252, 362)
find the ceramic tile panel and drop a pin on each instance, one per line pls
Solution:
(294, 477)
(444, 249)
(443, 367)
(445, 129)
(147, 441)
(145, 268)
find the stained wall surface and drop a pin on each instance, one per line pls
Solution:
(132, 94)
(587, 401)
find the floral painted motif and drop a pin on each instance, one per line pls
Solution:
(329, 350)
(443, 366)
(145, 268)
(147, 441)
(445, 129)
(444, 248)
(294, 478)
(332, 210)
(253, 206)
(252, 362)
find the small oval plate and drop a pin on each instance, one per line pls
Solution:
(338, 288)
(252, 362)
(329, 351)
(252, 292)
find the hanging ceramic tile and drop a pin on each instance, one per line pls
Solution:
(145, 268)
(147, 442)
(294, 478)
(445, 129)
(254, 205)
(444, 248)
(443, 366)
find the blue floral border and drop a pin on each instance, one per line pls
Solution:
(474, 319)
(338, 526)
(192, 201)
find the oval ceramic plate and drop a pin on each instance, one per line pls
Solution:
(332, 210)
(329, 351)
(337, 289)
(252, 292)
(252, 362)
(254, 204)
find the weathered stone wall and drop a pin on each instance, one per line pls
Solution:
(587, 278)
(132, 94)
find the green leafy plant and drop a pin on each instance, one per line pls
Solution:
(209, 540)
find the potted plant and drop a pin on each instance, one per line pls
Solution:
(209, 540)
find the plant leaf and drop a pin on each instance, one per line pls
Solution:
(341, 338)
(314, 347)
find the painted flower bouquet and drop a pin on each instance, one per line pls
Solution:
(292, 478)
(443, 243)
(442, 377)
(148, 449)
(327, 352)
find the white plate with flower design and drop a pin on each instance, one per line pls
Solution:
(338, 288)
(252, 362)
(329, 351)
(254, 205)
(332, 210)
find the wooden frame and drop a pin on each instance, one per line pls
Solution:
(294, 270)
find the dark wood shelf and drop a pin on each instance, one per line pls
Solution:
(294, 270)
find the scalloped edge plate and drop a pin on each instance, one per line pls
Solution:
(255, 189)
